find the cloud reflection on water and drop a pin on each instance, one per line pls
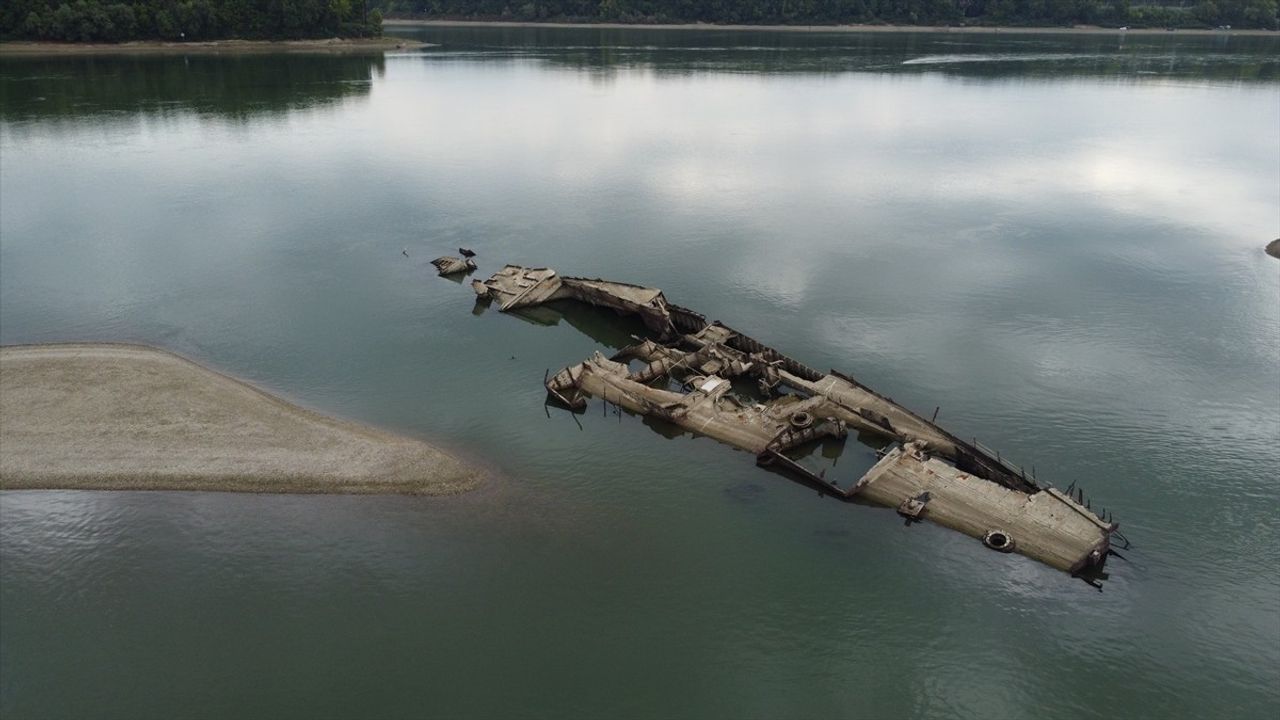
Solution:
(1070, 267)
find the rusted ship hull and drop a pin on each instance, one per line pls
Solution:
(926, 474)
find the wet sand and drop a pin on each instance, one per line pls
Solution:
(329, 45)
(1088, 29)
(128, 417)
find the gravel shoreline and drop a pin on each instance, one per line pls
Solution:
(129, 417)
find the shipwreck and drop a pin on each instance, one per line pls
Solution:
(686, 370)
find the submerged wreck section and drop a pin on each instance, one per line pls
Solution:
(450, 265)
(514, 287)
(690, 372)
(1045, 525)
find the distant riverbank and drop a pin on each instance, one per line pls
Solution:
(129, 417)
(1087, 29)
(329, 45)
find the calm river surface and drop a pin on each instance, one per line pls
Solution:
(1057, 239)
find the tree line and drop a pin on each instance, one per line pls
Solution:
(120, 20)
(1115, 13)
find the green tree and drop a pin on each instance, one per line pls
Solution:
(1206, 11)
(34, 25)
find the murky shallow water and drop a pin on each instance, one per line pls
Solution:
(1062, 250)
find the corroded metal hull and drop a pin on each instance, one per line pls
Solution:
(927, 474)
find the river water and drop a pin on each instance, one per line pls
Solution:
(1056, 239)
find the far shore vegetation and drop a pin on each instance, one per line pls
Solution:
(114, 21)
(1236, 14)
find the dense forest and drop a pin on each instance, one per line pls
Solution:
(119, 20)
(1115, 13)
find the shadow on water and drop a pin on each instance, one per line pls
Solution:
(233, 87)
(602, 51)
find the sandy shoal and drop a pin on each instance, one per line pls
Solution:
(128, 417)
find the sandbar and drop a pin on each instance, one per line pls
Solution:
(129, 417)
(212, 47)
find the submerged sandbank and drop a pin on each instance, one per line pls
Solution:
(329, 45)
(128, 417)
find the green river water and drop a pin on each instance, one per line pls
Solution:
(1057, 239)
